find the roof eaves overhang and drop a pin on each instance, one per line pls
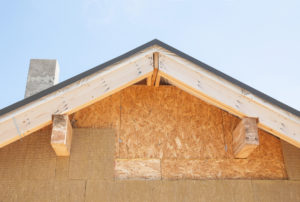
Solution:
(172, 61)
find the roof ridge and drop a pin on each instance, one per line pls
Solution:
(134, 51)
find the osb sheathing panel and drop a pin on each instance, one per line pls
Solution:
(59, 186)
(222, 169)
(148, 169)
(168, 124)
(103, 114)
(292, 160)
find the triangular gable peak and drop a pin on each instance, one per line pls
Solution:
(152, 61)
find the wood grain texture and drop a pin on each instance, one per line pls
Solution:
(148, 169)
(102, 114)
(166, 122)
(222, 169)
(169, 124)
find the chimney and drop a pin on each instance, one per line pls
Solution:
(42, 74)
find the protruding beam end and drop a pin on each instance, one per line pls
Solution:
(61, 136)
(245, 137)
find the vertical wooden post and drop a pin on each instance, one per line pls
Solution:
(245, 137)
(155, 80)
(61, 136)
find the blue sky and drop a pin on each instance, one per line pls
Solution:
(256, 42)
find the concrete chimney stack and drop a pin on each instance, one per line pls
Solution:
(42, 74)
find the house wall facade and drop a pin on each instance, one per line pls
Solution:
(190, 139)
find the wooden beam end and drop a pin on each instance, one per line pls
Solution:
(61, 136)
(245, 137)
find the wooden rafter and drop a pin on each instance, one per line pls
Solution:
(38, 114)
(229, 97)
(181, 71)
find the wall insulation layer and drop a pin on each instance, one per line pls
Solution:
(30, 171)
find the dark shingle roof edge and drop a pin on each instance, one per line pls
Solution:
(134, 51)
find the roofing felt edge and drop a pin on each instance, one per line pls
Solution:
(134, 51)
